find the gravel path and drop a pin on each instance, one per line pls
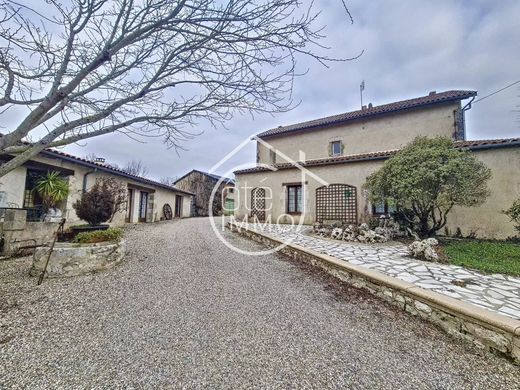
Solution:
(184, 311)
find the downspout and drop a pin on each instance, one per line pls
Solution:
(85, 176)
(467, 107)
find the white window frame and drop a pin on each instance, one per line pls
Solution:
(339, 152)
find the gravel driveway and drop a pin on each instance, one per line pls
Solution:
(184, 311)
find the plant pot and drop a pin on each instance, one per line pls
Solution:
(88, 228)
(66, 236)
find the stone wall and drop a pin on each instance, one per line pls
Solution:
(485, 329)
(68, 259)
(18, 234)
(202, 186)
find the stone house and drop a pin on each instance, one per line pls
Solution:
(343, 150)
(201, 184)
(145, 201)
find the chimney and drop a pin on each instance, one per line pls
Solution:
(370, 105)
(364, 107)
(432, 93)
(100, 160)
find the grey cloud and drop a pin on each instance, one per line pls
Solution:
(411, 48)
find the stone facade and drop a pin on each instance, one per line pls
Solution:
(364, 144)
(385, 132)
(485, 221)
(201, 184)
(69, 259)
(82, 175)
(486, 330)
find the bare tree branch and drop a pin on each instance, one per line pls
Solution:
(146, 68)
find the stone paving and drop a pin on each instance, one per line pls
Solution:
(495, 292)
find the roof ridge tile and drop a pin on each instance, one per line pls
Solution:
(387, 108)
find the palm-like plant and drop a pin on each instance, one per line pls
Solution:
(52, 188)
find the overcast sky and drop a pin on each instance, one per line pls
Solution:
(410, 47)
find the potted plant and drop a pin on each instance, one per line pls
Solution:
(96, 206)
(52, 189)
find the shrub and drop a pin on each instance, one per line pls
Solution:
(96, 205)
(118, 192)
(112, 234)
(514, 213)
(427, 178)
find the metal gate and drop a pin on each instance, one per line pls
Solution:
(336, 202)
(258, 203)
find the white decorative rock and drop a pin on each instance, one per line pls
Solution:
(432, 241)
(336, 234)
(364, 227)
(424, 249)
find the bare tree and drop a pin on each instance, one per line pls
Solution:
(84, 68)
(92, 157)
(167, 180)
(136, 168)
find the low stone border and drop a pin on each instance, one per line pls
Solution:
(71, 259)
(486, 329)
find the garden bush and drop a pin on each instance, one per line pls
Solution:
(426, 179)
(97, 205)
(112, 234)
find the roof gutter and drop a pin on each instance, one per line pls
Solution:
(111, 171)
(368, 115)
(488, 146)
(494, 146)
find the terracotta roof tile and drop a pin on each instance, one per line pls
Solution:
(471, 145)
(97, 165)
(433, 98)
(116, 171)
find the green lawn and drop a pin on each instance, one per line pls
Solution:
(485, 256)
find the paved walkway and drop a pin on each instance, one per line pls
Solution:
(183, 311)
(494, 292)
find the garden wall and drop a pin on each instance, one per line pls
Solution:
(20, 236)
(72, 259)
(497, 333)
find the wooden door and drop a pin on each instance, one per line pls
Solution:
(129, 205)
(178, 206)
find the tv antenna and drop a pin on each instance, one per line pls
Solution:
(361, 89)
